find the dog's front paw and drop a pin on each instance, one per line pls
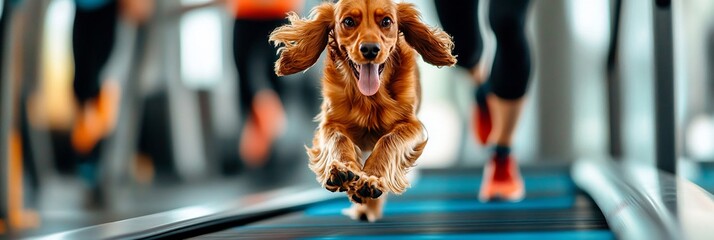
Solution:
(367, 187)
(341, 176)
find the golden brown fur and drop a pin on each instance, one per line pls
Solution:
(351, 123)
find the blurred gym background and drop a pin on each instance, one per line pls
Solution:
(175, 143)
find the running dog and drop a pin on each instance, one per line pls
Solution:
(371, 93)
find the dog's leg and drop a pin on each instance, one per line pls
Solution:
(370, 211)
(334, 159)
(392, 157)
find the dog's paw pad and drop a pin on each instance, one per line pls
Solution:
(356, 199)
(339, 179)
(370, 187)
(370, 191)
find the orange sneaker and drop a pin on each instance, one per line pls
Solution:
(266, 123)
(254, 146)
(501, 181)
(269, 114)
(97, 118)
(87, 130)
(24, 219)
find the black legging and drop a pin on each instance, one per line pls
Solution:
(512, 64)
(254, 58)
(460, 19)
(92, 43)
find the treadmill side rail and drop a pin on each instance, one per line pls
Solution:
(642, 202)
(182, 222)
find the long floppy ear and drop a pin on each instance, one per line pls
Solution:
(433, 44)
(303, 39)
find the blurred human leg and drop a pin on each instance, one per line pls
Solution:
(92, 40)
(267, 106)
(508, 79)
(262, 114)
(502, 178)
(19, 217)
(460, 19)
(22, 182)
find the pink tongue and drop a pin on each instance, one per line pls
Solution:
(368, 82)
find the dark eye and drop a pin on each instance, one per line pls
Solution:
(348, 22)
(386, 22)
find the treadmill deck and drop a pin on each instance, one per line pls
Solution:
(443, 204)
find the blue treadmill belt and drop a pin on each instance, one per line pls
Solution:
(444, 205)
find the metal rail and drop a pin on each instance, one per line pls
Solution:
(192, 221)
(642, 202)
(665, 134)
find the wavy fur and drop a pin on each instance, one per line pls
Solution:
(352, 124)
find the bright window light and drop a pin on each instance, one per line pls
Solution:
(590, 20)
(700, 137)
(201, 46)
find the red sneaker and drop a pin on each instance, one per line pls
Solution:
(501, 181)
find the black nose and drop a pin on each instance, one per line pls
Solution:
(369, 50)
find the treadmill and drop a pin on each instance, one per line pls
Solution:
(443, 204)
(591, 199)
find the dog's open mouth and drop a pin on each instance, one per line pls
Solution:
(367, 76)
